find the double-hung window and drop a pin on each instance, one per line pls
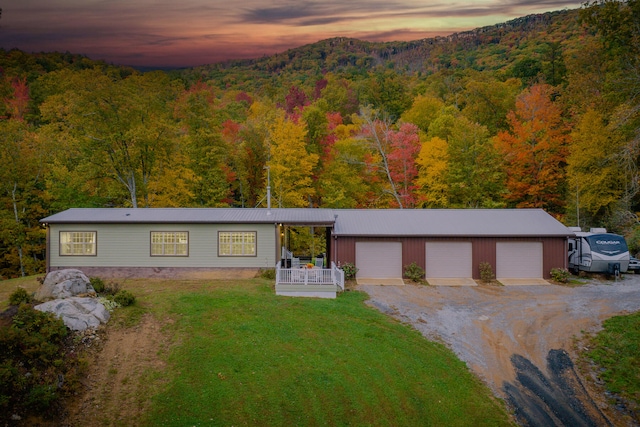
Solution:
(237, 243)
(169, 243)
(78, 243)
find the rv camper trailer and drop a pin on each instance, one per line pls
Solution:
(598, 251)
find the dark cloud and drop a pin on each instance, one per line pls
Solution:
(193, 32)
(279, 14)
(321, 13)
(313, 13)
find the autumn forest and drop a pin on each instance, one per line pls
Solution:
(542, 111)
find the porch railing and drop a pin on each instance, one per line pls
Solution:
(310, 276)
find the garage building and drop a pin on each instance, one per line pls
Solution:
(451, 243)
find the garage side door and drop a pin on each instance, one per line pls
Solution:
(449, 259)
(379, 260)
(519, 260)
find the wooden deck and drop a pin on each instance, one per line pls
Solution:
(309, 282)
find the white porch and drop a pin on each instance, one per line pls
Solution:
(309, 281)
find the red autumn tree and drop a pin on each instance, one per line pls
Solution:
(405, 147)
(534, 151)
(295, 100)
(17, 104)
(391, 159)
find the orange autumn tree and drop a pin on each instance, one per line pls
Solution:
(534, 151)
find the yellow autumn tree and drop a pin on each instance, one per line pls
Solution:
(345, 183)
(425, 109)
(433, 166)
(290, 166)
(593, 173)
(172, 187)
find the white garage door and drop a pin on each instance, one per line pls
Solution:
(379, 260)
(449, 259)
(518, 260)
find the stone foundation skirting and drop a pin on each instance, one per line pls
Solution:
(190, 273)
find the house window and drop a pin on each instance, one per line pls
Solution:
(237, 243)
(169, 243)
(78, 243)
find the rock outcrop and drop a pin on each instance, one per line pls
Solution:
(77, 313)
(69, 295)
(64, 284)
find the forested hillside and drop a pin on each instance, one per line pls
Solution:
(542, 111)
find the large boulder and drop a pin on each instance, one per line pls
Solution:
(64, 284)
(77, 313)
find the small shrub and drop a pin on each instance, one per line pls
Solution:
(97, 284)
(560, 275)
(112, 288)
(268, 273)
(413, 272)
(486, 272)
(19, 296)
(124, 298)
(31, 363)
(350, 271)
(109, 304)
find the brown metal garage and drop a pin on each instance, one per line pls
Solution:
(517, 243)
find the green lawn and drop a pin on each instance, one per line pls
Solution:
(616, 349)
(243, 356)
(249, 357)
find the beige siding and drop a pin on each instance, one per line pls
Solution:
(128, 245)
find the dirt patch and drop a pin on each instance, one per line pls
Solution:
(124, 368)
(519, 340)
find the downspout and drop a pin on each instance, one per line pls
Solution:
(47, 248)
(278, 254)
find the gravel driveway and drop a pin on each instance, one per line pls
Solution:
(518, 338)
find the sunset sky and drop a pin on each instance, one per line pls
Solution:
(185, 33)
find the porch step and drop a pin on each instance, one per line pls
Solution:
(297, 290)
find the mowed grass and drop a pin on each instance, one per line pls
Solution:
(249, 357)
(616, 349)
(243, 356)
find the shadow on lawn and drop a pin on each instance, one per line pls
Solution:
(559, 400)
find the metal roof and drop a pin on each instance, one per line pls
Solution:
(348, 222)
(191, 216)
(448, 222)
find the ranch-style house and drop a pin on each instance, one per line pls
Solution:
(306, 246)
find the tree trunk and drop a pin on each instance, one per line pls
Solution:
(380, 147)
(131, 185)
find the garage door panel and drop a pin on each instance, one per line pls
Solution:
(519, 260)
(449, 259)
(379, 259)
